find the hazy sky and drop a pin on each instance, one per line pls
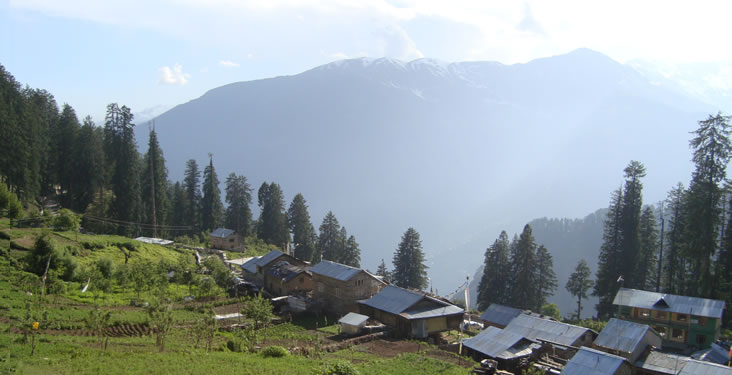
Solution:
(145, 53)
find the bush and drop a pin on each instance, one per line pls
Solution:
(4, 235)
(234, 346)
(337, 368)
(92, 245)
(275, 351)
(66, 220)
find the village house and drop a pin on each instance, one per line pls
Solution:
(507, 348)
(594, 362)
(685, 323)
(560, 336)
(627, 339)
(657, 363)
(337, 287)
(352, 323)
(226, 239)
(499, 315)
(412, 314)
(255, 269)
(283, 279)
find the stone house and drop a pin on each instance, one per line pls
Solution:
(226, 239)
(337, 287)
(283, 279)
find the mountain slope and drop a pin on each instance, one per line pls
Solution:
(454, 150)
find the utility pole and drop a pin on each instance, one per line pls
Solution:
(660, 254)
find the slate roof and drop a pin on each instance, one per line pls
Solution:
(663, 363)
(335, 270)
(285, 271)
(592, 362)
(500, 314)
(222, 232)
(669, 302)
(534, 328)
(353, 319)
(398, 301)
(694, 367)
(622, 335)
(497, 343)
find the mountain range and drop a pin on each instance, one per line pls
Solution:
(459, 151)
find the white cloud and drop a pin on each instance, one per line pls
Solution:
(174, 75)
(228, 64)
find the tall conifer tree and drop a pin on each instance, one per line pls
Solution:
(211, 208)
(154, 185)
(192, 187)
(409, 268)
(272, 226)
(303, 232)
(546, 279)
(121, 154)
(494, 284)
(523, 271)
(609, 264)
(329, 243)
(238, 198)
(630, 224)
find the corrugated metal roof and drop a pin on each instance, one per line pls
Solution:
(592, 362)
(500, 314)
(663, 363)
(694, 367)
(711, 308)
(495, 343)
(430, 312)
(335, 270)
(714, 354)
(392, 299)
(269, 257)
(353, 319)
(622, 335)
(222, 232)
(251, 265)
(534, 328)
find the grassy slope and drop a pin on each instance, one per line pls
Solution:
(68, 354)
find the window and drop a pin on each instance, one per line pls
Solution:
(677, 333)
(661, 330)
(701, 340)
(660, 314)
(681, 317)
(359, 282)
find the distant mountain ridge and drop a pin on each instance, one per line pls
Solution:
(459, 151)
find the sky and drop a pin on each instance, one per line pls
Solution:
(151, 55)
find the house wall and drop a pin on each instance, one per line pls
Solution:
(339, 297)
(679, 331)
(301, 283)
(232, 242)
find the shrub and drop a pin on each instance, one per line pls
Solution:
(234, 346)
(4, 235)
(337, 368)
(66, 220)
(275, 351)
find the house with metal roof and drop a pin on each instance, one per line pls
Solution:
(594, 362)
(507, 348)
(410, 313)
(226, 239)
(337, 287)
(716, 353)
(559, 335)
(499, 315)
(684, 323)
(283, 279)
(255, 269)
(627, 339)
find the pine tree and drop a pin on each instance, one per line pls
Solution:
(724, 262)
(272, 226)
(409, 268)
(88, 165)
(630, 223)
(238, 198)
(646, 270)
(609, 263)
(712, 151)
(674, 265)
(383, 272)
(579, 283)
(63, 140)
(351, 253)
(178, 207)
(494, 284)
(192, 187)
(211, 208)
(329, 244)
(121, 154)
(546, 279)
(303, 232)
(523, 270)
(154, 186)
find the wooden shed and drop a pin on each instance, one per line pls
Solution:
(337, 287)
(412, 314)
(352, 323)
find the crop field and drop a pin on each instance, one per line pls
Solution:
(111, 327)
